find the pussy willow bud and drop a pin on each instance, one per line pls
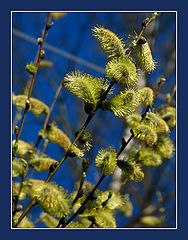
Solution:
(86, 87)
(106, 161)
(134, 120)
(122, 70)
(156, 122)
(31, 68)
(36, 106)
(123, 104)
(57, 136)
(146, 95)
(145, 133)
(143, 56)
(110, 43)
(18, 167)
(165, 147)
(52, 199)
(24, 149)
(147, 157)
(169, 115)
(42, 164)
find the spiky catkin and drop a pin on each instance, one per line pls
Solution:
(57, 136)
(36, 106)
(165, 147)
(143, 56)
(122, 70)
(106, 161)
(156, 122)
(123, 104)
(24, 149)
(86, 87)
(134, 119)
(42, 163)
(110, 43)
(146, 95)
(169, 115)
(48, 220)
(18, 167)
(145, 133)
(53, 199)
(147, 157)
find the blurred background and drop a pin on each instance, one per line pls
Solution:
(70, 46)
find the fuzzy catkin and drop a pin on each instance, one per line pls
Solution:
(122, 70)
(146, 134)
(52, 199)
(106, 161)
(57, 136)
(86, 87)
(123, 104)
(36, 106)
(146, 95)
(42, 164)
(144, 57)
(110, 43)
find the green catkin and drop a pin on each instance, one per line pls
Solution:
(123, 104)
(165, 147)
(122, 70)
(36, 106)
(156, 122)
(143, 56)
(42, 164)
(52, 199)
(24, 149)
(169, 115)
(86, 87)
(134, 120)
(57, 136)
(147, 157)
(106, 161)
(18, 167)
(110, 43)
(146, 95)
(146, 134)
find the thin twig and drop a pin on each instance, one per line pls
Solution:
(33, 77)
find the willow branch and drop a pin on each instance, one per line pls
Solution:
(33, 77)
